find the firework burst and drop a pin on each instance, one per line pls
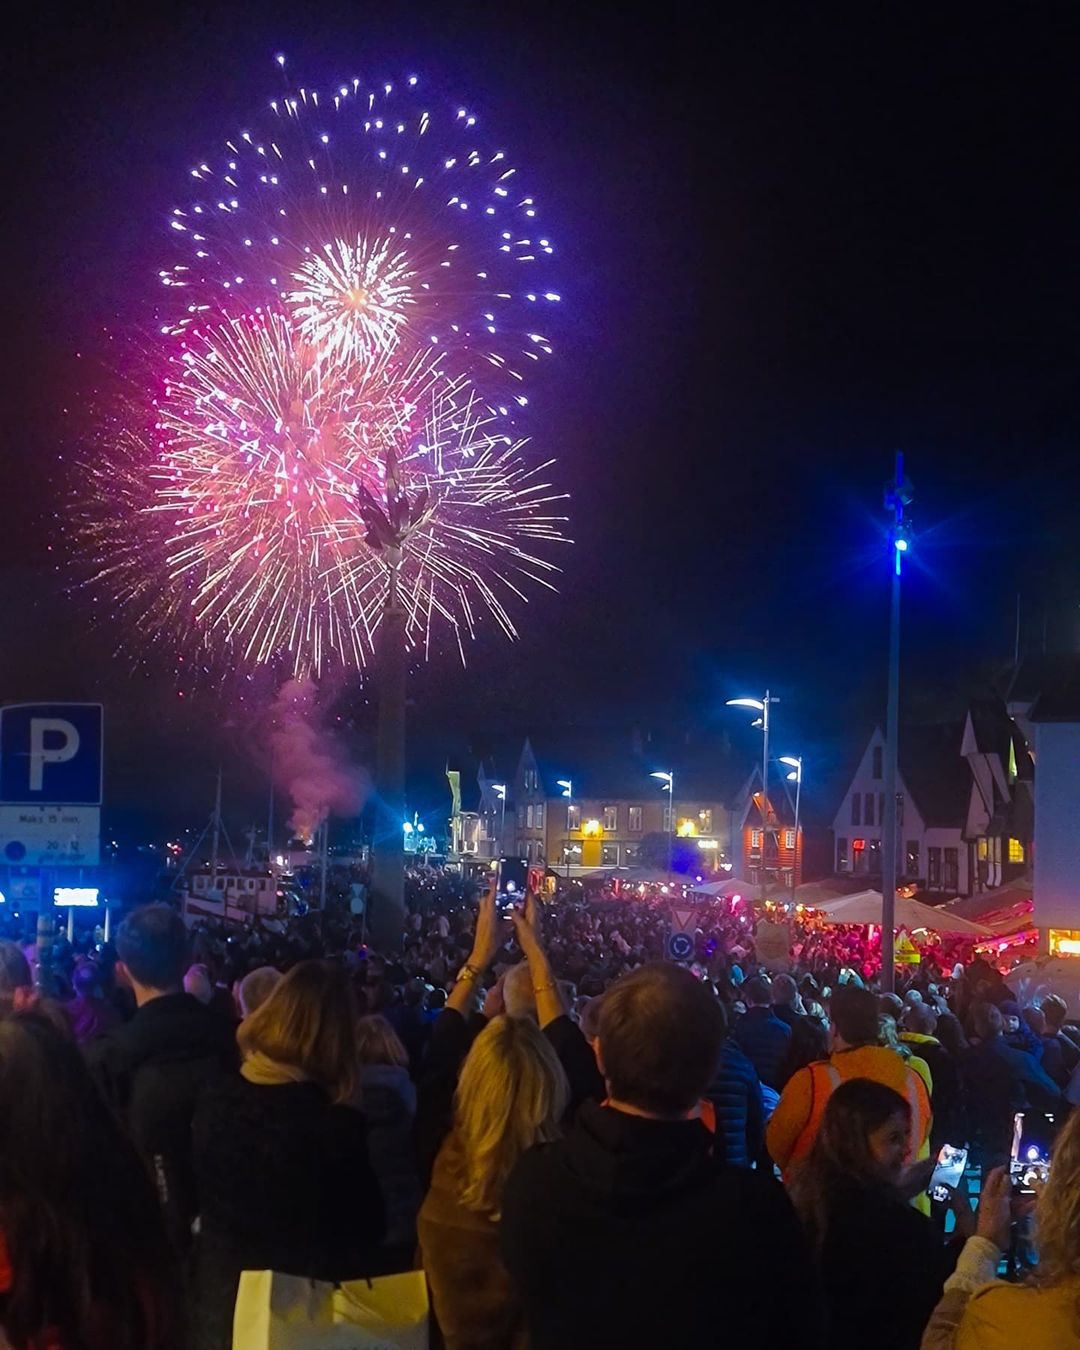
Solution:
(352, 328)
(374, 212)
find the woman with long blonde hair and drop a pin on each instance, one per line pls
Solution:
(512, 1094)
(979, 1312)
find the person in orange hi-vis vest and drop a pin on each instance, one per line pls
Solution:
(855, 1054)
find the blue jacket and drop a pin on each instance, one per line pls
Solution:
(765, 1041)
(735, 1093)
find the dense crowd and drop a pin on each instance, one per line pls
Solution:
(579, 1143)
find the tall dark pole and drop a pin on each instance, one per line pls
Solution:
(897, 496)
(388, 841)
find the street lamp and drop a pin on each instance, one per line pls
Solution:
(794, 763)
(499, 790)
(668, 780)
(762, 706)
(567, 786)
(898, 494)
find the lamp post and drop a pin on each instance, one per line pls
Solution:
(794, 763)
(499, 790)
(668, 780)
(567, 786)
(762, 706)
(898, 494)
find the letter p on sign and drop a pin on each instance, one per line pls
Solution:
(53, 740)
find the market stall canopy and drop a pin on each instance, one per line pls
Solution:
(1004, 911)
(724, 890)
(865, 907)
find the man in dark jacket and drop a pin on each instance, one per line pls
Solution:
(1000, 1081)
(809, 1039)
(153, 1069)
(763, 1038)
(625, 1232)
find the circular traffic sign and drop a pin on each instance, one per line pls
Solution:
(680, 946)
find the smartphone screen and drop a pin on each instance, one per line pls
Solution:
(947, 1174)
(510, 886)
(1029, 1165)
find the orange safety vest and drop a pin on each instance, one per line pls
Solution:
(825, 1078)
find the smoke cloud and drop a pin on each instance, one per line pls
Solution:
(310, 765)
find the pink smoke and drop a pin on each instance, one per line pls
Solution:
(310, 765)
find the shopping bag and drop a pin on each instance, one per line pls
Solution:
(287, 1312)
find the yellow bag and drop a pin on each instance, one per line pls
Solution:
(287, 1312)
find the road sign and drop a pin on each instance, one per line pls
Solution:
(50, 836)
(51, 752)
(684, 920)
(906, 953)
(680, 946)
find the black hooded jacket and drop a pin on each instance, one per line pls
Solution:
(153, 1071)
(628, 1233)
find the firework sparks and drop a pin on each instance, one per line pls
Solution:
(375, 212)
(354, 329)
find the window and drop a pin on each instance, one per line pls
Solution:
(789, 839)
(980, 848)
(877, 757)
(952, 869)
(609, 855)
(868, 809)
(842, 862)
(529, 817)
(933, 868)
(1016, 851)
(911, 858)
(573, 818)
(630, 854)
(521, 817)
(539, 816)
(611, 818)
(669, 819)
(755, 840)
(705, 820)
(873, 849)
(634, 819)
(1012, 761)
(856, 809)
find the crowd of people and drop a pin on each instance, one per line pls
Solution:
(579, 1143)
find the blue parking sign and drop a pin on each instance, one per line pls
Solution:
(51, 753)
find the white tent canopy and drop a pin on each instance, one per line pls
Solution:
(865, 907)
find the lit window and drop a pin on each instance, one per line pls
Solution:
(611, 818)
(1012, 761)
(980, 847)
(877, 756)
(609, 855)
(755, 839)
(789, 839)
(573, 818)
(634, 819)
(540, 816)
(705, 820)
(529, 817)
(1016, 851)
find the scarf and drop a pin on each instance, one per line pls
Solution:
(266, 1072)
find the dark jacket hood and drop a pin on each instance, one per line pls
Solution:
(631, 1164)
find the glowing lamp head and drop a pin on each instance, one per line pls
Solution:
(901, 545)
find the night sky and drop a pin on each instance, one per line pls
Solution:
(796, 239)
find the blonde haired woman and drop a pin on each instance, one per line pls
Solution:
(978, 1312)
(284, 1178)
(512, 1094)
